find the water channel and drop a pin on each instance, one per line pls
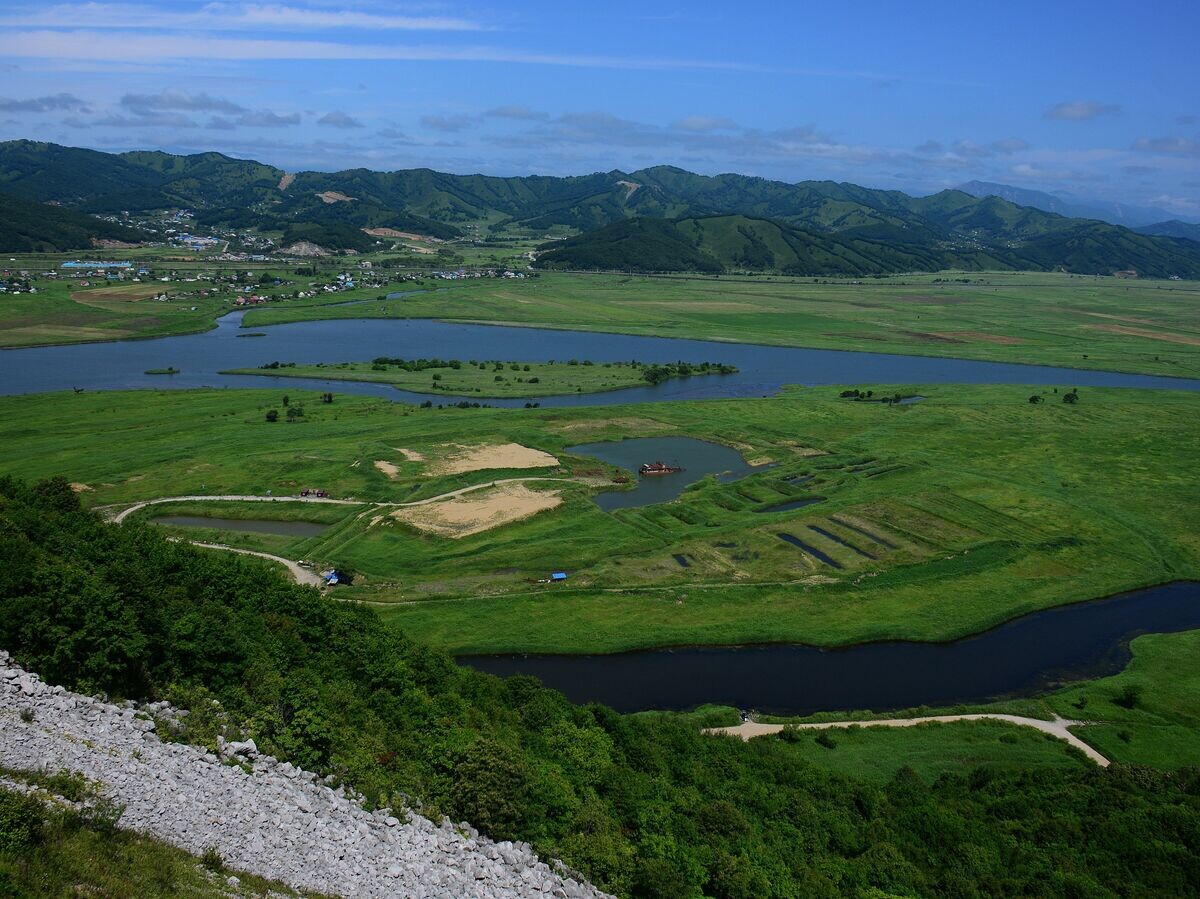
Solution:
(762, 369)
(1027, 655)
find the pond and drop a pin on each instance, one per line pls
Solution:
(697, 457)
(1023, 657)
(762, 369)
(250, 525)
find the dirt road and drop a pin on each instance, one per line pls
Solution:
(300, 574)
(1058, 728)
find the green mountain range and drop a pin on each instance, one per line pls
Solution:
(723, 243)
(27, 226)
(812, 227)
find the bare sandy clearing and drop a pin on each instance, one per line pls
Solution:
(122, 293)
(80, 487)
(1185, 339)
(333, 196)
(410, 455)
(479, 511)
(460, 459)
(286, 180)
(388, 468)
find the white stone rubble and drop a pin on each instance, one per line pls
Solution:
(278, 821)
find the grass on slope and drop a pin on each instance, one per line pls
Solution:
(1150, 712)
(1150, 327)
(47, 853)
(945, 517)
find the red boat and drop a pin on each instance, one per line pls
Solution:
(655, 468)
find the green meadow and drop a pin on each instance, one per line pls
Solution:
(1150, 327)
(942, 517)
(485, 379)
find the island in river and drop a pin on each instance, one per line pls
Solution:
(494, 378)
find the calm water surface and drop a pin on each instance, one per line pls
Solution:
(1025, 656)
(122, 365)
(697, 457)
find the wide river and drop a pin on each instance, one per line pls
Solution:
(1022, 657)
(763, 370)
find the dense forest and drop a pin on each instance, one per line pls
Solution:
(31, 227)
(721, 243)
(644, 805)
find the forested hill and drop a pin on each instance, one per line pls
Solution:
(27, 226)
(717, 244)
(900, 231)
(645, 806)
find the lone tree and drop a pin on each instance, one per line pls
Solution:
(1071, 397)
(272, 415)
(1035, 399)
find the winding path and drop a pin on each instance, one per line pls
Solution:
(247, 498)
(300, 574)
(1058, 727)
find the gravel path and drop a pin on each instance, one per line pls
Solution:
(299, 573)
(1058, 727)
(278, 821)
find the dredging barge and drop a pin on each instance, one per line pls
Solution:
(656, 468)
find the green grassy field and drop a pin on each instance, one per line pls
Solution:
(933, 749)
(1152, 327)
(950, 515)
(63, 312)
(484, 379)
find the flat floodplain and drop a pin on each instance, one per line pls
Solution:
(1077, 321)
(975, 504)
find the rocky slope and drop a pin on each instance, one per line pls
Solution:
(261, 815)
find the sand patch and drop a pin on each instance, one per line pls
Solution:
(461, 459)
(333, 196)
(285, 181)
(80, 487)
(800, 449)
(479, 511)
(410, 455)
(1185, 339)
(388, 468)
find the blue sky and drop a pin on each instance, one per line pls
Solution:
(1097, 98)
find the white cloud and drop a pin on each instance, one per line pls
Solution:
(1177, 145)
(521, 113)
(178, 100)
(450, 123)
(221, 16)
(339, 119)
(1081, 110)
(52, 103)
(705, 124)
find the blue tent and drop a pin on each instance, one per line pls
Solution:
(558, 576)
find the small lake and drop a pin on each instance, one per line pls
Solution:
(1026, 656)
(762, 371)
(697, 457)
(249, 525)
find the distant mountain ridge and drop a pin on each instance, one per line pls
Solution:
(1130, 216)
(717, 244)
(840, 220)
